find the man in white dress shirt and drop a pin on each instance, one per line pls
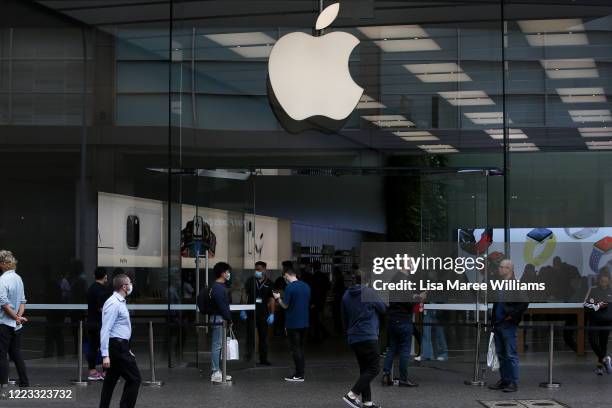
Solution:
(115, 346)
(11, 298)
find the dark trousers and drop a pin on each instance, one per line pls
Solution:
(122, 364)
(15, 355)
(93, 335)
(296, 345)
(505, 347)
(367, 358)
(598, 339)
(54, 337)
(569, 335)
(400, 342)
(260, 323)
(6, 336)
(317, 313)
(279, 322)
(337, 315)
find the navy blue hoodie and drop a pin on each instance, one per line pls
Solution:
(360, 317)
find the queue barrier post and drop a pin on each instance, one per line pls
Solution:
(551, 348)
(79, 380)
(477, 379)
(153, 382)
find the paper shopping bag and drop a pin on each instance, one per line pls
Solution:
(233, 352)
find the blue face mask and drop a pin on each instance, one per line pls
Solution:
(258, 274)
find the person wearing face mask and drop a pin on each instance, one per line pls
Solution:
(220, 312)
(117, 358)
(259, 291)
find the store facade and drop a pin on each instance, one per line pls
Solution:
(122, 121)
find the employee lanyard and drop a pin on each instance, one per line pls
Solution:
(259, 286)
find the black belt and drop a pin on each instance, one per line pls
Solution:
(119, 340)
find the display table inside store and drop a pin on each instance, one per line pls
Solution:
(550, 310)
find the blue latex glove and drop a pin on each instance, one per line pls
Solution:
(270, 319)
(243, 315)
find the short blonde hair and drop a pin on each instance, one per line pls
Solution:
(7, 258)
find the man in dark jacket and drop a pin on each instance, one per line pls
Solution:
(320, 287)
(506, 318)
(400, 330)
(97, 294)
(360, 314)
(220, 313)
(597, 304)
(258, 290)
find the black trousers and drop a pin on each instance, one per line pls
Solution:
(260, 323)
(319, 332)
(6, 336)
(368, 360)
(296, 346)
(122, 364)
(54, 337)
(15, 355)
(93, 336)
(598, 339)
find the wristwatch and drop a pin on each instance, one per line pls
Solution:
(541, 239)
(600, 248)
(582, 233)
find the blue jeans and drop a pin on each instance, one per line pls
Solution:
(216, 342)
(505, 347)
(400, 340)
(441, 349)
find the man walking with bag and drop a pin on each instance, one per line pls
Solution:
(506, 318)
(220, 312)
(117, 357)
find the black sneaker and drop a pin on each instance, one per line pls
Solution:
(386, 380)
(373, 405)
(500, 385)
(353, 402)
(294, 378)
(407, 383)
(512, 387)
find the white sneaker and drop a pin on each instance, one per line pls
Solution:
(217, 376)
(441, 358)
(608, 364)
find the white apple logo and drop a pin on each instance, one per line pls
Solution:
(310, 75)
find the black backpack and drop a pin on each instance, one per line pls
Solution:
(205, 301)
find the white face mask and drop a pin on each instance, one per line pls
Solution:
(229, 276)
(130, 288)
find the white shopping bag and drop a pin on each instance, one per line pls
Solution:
(492, 361)
(233, 352)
